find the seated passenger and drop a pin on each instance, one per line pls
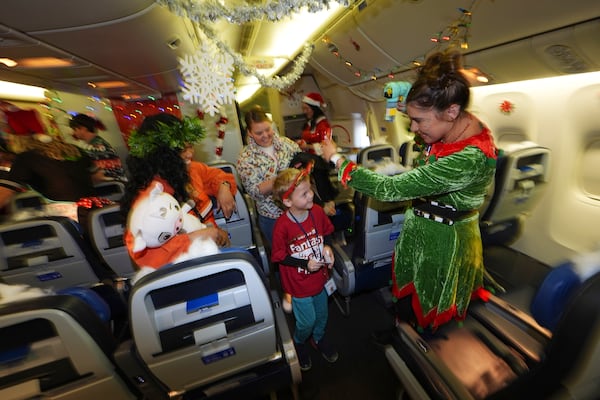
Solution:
(85, 130)
(209, 181)
(155, 156)
(58, 170)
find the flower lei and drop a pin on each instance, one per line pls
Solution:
(175, 136)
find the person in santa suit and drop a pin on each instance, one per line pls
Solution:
(316, 129)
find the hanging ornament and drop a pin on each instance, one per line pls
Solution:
(220, 124)
(207, 78)
(456, 34)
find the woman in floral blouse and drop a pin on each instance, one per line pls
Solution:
(260, 161)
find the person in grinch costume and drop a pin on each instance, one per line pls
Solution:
(438, 258)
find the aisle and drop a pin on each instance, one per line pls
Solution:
(362, 371)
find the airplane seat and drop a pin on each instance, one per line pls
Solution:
(49, 253)
(57, 347)
(104, 229)
(111, 190)
(408, 152)
(242, 226)
(374, 155)
(545, 301)
(30, 200)
(92, 298)
(522, 172)
(365, 262)
(210, 327)
(500, 352)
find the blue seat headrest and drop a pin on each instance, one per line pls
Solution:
(553, 295)
(93, 299)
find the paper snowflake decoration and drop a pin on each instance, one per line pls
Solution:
(208, 78)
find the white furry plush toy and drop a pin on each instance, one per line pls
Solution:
(157, 218)
(10, 293)
(389, 167)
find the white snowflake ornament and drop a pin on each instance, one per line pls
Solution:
(207, 76)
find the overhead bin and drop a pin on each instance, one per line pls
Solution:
(569, 50)
(383, 36)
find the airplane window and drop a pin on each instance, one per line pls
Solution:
(590, 164)
(507, 136)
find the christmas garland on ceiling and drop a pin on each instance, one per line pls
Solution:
(276, 82)
(201, 12)
(454, 35)
(212, 10)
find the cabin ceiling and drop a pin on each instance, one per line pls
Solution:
(138, 42)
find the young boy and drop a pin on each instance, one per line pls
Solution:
(304, 260)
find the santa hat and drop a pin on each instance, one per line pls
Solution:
(314, 99)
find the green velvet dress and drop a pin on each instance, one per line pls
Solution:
(440, 264)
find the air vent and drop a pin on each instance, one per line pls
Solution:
(565, 59)
(7, 42)
(174, 43)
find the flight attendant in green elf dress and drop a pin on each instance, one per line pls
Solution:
(438, 260)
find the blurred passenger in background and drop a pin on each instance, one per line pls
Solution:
(85, 130)
(59, 171)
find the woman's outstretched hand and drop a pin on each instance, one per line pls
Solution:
(329, 148)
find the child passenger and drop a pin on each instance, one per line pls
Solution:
(304, 260)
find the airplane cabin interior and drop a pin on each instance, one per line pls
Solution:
(78, 320)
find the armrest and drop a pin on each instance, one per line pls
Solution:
(427, 366)
(513, 326)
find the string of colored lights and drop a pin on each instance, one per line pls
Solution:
(454, 35)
